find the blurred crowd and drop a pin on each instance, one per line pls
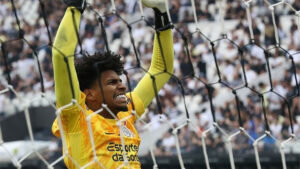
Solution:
(26, 47)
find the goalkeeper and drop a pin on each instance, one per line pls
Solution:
(89, 94)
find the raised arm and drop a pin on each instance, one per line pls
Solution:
(64, 46)
(163, 43)
(145, 88)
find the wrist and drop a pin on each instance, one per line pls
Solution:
(77, 4)
(162, 21)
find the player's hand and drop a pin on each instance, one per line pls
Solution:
(162, 21)
(158, 4)
(79, 4)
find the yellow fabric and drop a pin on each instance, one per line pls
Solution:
(145, 88)
(64, 46)
(105, 132)
(106, 136)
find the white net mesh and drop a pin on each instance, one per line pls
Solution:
(235, 86)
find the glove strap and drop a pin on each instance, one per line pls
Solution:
(78, 4)
(162, 21)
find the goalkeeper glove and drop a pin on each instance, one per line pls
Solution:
(79, 4)
(162, 21)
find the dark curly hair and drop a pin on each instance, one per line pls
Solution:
(88, 65)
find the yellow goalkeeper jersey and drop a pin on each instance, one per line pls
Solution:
(105, 132)
(106, 136)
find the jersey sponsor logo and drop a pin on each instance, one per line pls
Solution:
(120, 157)
(130, 151)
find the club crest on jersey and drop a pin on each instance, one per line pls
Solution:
(126, 131)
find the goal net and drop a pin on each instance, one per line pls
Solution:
(232, 100)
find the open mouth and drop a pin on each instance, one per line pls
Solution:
(121, 98)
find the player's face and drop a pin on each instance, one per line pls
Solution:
(113, 92)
